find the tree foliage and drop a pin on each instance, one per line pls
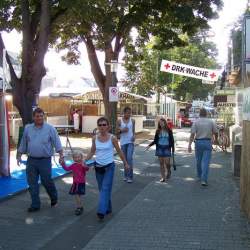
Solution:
(144, 77)
(35, 20)
(104, 25)
(108, 26)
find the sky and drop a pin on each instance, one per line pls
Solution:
(220, 29)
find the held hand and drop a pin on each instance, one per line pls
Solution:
(127, 167)
(147, 148)
(189, 149)
(133, 138)
(18, 160)
(61, 161)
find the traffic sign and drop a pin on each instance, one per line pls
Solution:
(113, 94)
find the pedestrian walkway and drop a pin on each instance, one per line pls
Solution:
(147, 214)
(181, 214)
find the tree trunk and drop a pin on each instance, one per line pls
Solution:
(24, 99)
(104, 81)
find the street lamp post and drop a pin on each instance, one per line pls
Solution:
(113, 69)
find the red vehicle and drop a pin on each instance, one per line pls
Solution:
(170, 124)
(186, 122)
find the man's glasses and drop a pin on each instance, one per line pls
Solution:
(102, 124)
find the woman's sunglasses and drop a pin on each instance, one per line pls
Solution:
(102, 124)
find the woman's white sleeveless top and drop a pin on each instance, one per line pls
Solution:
(104, 151)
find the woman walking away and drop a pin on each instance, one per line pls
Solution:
(164, 141)
(103, 144)
(79, 170)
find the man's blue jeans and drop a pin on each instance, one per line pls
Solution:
(203, 152)
(42, 168)
(105, 182)
(128, 151)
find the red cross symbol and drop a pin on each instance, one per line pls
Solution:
(167, 66)
(212, 75)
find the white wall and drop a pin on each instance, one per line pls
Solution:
(89, 123)
(14, 128)
(58, 120)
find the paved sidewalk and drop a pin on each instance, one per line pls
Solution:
(147, 214)
(181, 214)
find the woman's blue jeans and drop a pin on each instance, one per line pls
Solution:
(203, 152)
(128, 151)
(105, 182)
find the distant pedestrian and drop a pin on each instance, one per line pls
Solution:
(164, 141)
(76, 119)
(170, 124)
(79, 170)
(126, 131)
(202, 132)
(103, 144)
(38, 142)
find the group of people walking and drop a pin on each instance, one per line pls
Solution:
(40, 139)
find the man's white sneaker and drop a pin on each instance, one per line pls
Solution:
(129, 181)
(204, 183)
(125, 179)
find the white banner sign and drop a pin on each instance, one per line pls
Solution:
(113, 94)
(246, 104)
(208, 82)
(191, 71)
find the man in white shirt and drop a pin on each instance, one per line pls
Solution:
(126, 131)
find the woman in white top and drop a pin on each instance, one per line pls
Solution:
(103, 145)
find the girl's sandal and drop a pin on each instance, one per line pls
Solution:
(79, 211)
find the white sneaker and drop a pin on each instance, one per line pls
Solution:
(129, 181)
(204, 183)
(125, 179)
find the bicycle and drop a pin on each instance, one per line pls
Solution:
(222, 140)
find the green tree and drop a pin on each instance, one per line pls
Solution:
(35, 19)
(107, 26)
(143, 71)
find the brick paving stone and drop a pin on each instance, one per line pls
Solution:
(147, 214)
(181, 214)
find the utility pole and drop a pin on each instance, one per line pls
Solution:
(113, 69)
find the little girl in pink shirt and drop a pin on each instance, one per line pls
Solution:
(79, 170)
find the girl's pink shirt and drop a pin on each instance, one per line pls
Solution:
(79, 171)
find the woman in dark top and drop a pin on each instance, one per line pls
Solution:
(164, 141)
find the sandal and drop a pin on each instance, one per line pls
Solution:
(79, 211)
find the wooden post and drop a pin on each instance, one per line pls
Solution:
(245, 170)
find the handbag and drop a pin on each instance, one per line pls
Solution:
(100, 168)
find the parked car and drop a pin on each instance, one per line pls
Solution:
(186, 122)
